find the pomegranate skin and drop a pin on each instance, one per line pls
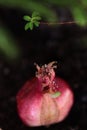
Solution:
(29, 102)
(65, 100)
(37, 108)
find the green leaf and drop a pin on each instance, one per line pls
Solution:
(35, 14)
(27, 18)
(27, 26)
(84, 2)
(31, 26)
(37, 18)
(8, 45)
(34, 20)
(55, 95)
(36, 23)
(79, 15)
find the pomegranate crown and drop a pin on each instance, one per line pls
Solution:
(45, 69)
(46, 73)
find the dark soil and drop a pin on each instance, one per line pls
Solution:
(43, 45)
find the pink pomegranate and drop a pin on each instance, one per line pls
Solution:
(45, 99)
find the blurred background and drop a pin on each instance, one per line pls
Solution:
(19, 49)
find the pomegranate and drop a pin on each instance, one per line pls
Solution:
(45, 99)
